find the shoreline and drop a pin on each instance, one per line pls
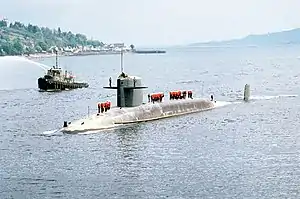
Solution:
(86, 53)
(49, 55)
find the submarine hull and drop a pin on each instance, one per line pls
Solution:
(47, 85)
(146, 112)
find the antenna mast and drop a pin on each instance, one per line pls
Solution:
(56, 64)
(122, 69)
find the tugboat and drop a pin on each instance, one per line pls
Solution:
(57, 80)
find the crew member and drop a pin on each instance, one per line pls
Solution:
(99, 107)
(148, 98)
(190, 94)
(107, 105)
(153, 98)
(102, 107)
(109, 81)
(134, 81)
(184, 94)
(211, 98)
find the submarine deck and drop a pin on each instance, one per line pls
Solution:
(146, 112)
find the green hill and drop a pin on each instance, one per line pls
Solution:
(18, 39)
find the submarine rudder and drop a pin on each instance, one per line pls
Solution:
(247, 93)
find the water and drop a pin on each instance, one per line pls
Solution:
(242, 150)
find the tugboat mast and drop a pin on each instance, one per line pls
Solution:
(56, 59)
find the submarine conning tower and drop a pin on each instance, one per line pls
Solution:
(129, 90)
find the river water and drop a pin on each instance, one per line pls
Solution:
(245, 150)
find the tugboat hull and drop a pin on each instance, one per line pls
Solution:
(48, 85)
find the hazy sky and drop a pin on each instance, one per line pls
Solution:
(157, 22)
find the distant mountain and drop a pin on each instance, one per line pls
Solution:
(276, 38)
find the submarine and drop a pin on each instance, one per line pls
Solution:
(131, 108)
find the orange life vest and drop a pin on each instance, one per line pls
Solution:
(157, 96)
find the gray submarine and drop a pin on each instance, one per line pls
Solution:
(130, 107)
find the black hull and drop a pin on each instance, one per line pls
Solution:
(48, 85)
(149, 51)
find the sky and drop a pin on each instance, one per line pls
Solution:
(157, 22)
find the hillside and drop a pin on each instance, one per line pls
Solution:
(18, 39)
(276, 38)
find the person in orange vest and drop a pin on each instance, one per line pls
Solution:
(108, 105)
(157, 97)
(178, 94)
(153, 98)
(105, 106)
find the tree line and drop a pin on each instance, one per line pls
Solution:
(18, 39)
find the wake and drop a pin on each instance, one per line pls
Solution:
(267, 97)
(13, 59)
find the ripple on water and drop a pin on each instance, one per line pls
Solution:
(245, 150)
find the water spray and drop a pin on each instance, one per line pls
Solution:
(16, 58)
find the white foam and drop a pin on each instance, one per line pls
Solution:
(224, 103)
(288, 95)
(51, 132)
(266, 97)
